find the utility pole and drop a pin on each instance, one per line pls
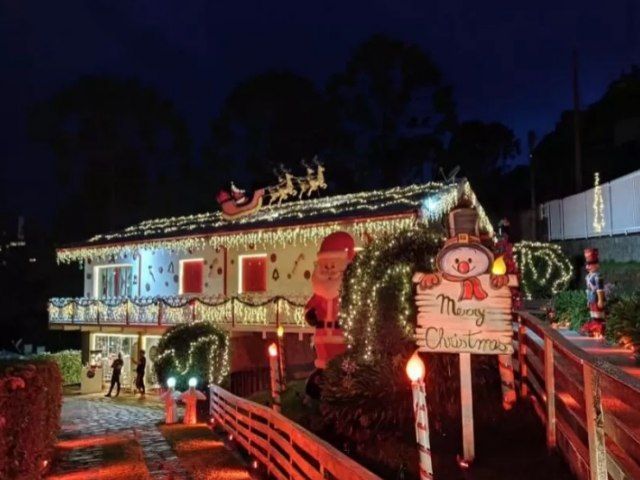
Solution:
(576, 123)
(531, 143)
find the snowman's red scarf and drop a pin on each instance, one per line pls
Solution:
(471, 287)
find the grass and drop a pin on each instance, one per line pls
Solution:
(203, 454)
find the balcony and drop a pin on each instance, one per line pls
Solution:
(243, 312)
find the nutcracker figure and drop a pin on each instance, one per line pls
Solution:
(595, 295)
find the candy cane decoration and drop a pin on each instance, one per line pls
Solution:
(295, 264)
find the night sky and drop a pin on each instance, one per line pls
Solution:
(507, 62)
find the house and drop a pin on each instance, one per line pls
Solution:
(247, 270)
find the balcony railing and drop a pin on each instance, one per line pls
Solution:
(238, 311)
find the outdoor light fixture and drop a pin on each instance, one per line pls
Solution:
(415, 368)
(273, 350)
(193, 382)
(280, 331)
(171, 382)
(499, 266)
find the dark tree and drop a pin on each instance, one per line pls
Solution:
(276, 117)
(610, 141)
(115, 144)
(395, 109)
(483, 152)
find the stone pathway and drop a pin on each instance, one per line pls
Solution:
(92, 422)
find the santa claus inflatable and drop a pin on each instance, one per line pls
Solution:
(321, 311)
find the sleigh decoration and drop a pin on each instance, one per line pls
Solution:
(235, 203)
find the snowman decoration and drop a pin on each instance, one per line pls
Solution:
(463, 258)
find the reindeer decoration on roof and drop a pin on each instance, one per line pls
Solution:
(284, 189)
(314, 181)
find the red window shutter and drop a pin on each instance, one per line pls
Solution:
(192, 274)
(254, 274)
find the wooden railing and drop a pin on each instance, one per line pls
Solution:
(589, 407)
(287, 450)
(230, 312)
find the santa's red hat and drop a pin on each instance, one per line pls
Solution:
(337, 245)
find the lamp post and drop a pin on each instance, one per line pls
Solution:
(283, 376)
(170, 409)
(275, 374)
(190, 398)
(415, 372)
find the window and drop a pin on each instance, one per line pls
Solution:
(114, 281)
(253, 273)
(191, 275)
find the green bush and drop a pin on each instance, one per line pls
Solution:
(624, 275)
(571, 308)
(623, 320)
(378, 311)
(30, 404)
(70, 363)
(198, 350)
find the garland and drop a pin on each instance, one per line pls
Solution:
(174, 310)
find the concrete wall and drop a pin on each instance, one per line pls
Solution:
(620, 248)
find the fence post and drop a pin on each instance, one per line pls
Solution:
(595, 423)
(550, 388)
(522, 356)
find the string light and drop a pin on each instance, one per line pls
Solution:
(241, 310)
(598, 205)
(369, 276)
(217, 353)
(185, 233)
(555, 271)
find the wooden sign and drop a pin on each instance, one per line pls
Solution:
(465, 316)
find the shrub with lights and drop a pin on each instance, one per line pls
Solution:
(198, 350)
(378, 315)
(545, 270)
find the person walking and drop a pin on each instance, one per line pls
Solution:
(140, 368)
(116, 366)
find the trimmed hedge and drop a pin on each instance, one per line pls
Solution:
(70, 363)
(30, 404)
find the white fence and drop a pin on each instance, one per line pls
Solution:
(573, 217)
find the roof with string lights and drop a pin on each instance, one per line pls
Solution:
(299, 220)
